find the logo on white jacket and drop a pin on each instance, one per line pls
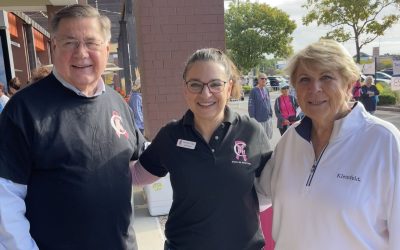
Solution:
(116, 123)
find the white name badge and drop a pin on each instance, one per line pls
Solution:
(186, 144)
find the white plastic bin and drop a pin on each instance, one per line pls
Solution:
(159, 196)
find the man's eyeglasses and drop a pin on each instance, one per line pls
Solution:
(214, 86)
(72, 44)
(263, 78)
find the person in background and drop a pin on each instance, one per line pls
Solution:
(65, 181)
(3, 97)
(135, 103)
(213, 156)
(356, 91)
(285, 109)
(369, 94)
(259, 106)
(14, 85)
(333, 177)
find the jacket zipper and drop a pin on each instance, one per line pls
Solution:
(314, 167)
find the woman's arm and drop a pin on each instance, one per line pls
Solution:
(263, 186)
(278, 110)
(141, 176)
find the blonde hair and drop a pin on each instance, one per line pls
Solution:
(326, 54)
(82, 11)
(216, 55)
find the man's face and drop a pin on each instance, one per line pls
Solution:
(80, 51)
(262, 80)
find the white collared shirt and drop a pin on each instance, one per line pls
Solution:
(100, 89)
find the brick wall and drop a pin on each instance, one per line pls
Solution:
(168, 32)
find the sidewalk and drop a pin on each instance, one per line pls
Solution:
(393, 108)
(149, 234)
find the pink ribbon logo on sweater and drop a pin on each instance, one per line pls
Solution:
(116, 123)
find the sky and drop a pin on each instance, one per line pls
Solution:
(304, 35)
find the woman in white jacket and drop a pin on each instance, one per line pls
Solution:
(334, 178)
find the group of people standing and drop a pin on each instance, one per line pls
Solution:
(287, 109)
(72, 152)
(15, 84)
(260, 108)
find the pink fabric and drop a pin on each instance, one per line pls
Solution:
(286, 107)
(266, 225)
(141, 176)
(357, 89)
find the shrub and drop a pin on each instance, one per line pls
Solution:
(381, 86)
(246, 89)
(397, 94)
(387, 99)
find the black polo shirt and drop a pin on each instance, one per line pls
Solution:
(214, 201)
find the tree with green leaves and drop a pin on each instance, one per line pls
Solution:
(254, 30)
(361, 20)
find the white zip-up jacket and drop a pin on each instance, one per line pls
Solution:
(351, 201)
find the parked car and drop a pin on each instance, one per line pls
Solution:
(276, 81)
(388, 71)
(383, 75)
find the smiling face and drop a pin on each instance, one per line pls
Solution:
(207, 106)
(81, 66)
(321, 93)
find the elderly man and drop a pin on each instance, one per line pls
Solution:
(65, 178)
(259, 106)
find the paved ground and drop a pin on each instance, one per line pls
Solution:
(150, 230)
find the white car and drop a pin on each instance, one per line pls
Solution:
(383, 75)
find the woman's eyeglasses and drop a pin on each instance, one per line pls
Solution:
(214, 86)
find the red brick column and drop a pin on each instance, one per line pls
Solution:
(168, 32)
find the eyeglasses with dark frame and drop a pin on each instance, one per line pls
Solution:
(214, 86)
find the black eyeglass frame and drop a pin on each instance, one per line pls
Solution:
(205, 84)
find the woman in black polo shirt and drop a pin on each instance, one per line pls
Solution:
(212, 155)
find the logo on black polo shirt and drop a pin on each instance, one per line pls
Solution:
(116, 123)
(240, 150)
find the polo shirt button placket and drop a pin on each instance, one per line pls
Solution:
(212, 150)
